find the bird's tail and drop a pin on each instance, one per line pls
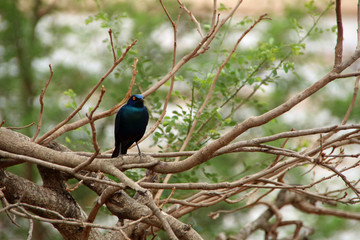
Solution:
(116, 152)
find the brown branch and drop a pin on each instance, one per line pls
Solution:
(310, 208)
(353, 100)
(278, 156)
(31, 228)
(250, 179)
(347, 75)
(93, 131)
(167, 14)
(180, 63)
(252, 142)
(358, 24)
(340, 38)
(168, 198)
(42, 104)
(262, 222)
(213, 19)
(112, 45)
(57, 167)
(20, 190)
(216, 186)
(145, 195)
(343, 177)
(18, 128)
(128, 93)
(174, 25)
(126, 207)
(217, 26)
(6, 206)
(106, 194)
(298, 226)
(62, 220)
(163, 220)
(193, 18)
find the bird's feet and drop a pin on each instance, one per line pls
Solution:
(120, 156)
(140, 156)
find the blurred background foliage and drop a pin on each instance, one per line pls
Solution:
(278, 58)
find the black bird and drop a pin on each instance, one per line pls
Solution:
(130, 124)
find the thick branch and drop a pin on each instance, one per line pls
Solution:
(25, 191)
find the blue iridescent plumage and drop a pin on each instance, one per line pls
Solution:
(130, 124)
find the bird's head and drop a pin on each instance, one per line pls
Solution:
(136, 100)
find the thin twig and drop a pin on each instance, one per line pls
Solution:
(42, 104)
(174, 25)
(358, 24)
(343, 177)
(31, 228)
(340, 38)
(77, 185)
(353, 100)
(168, 198)
(193, 18)
(93, 131)
(213, 19)
(106, 194)
(18, 128)
(282, 146)
(112, 45)
(6, 207)
(63, 220)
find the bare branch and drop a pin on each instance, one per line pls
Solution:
(174, 25)
(358, 24)
(193, 18)
(101, 200)
(42, 104)
(351, 106)
(18, 128)
(340, 38)
(93, 131)
(112, 45)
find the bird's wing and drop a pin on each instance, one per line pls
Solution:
(117, 128)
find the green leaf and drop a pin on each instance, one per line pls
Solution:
(89, 20)
(222, 7)
(67, 140)
(70, 93)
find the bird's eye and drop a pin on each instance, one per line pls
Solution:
(133, 98)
